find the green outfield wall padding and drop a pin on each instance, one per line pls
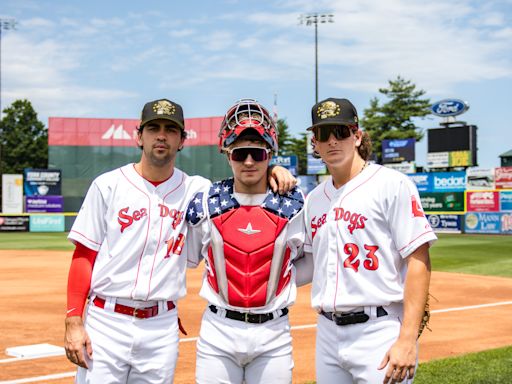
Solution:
(81, 164)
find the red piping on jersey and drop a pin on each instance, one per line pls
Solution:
(412, 241)
(85, 237)
(338, 258)
(325, 193)
(160, 236)
(147, 231)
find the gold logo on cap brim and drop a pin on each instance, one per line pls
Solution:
(163, 107)
(328, 109)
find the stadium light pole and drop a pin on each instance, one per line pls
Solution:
(5, 24)
(314, 19)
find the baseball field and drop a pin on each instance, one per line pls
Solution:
(469, 341)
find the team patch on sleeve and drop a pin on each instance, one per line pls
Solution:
(287, 205)
(195, 211)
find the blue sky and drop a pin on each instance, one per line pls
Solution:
(107, 58)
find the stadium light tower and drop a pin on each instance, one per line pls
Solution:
(5, 24)
(314, 19)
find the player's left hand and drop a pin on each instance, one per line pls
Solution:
(401, 361)
(280, 179)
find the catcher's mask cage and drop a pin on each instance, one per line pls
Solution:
(245, 114)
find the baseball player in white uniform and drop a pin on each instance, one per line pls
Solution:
(249, 238)
(369, 239)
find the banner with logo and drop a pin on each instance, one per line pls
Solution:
(439, 181)
(422, 180)
(503, 178)
(44, 203)
(480, 179)
(402, 167)
(505, 200)
(12, 193)
(288, 162)
(506, 223)
(14, 223)
(47, 223)
(398, 150)
(123, 132)
(42, 182)
(315, 166)
(445, 223)
(443, 201)
(483, 222)
(482, 201)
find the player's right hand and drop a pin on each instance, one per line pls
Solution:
(76, 341)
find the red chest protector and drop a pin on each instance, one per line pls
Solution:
(248, 257)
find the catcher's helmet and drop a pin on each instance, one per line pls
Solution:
(245, 114)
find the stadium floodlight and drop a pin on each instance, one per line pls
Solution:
(5, 25)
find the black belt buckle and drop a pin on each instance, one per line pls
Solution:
(350, 318)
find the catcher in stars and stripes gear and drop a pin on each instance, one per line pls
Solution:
(249, 238)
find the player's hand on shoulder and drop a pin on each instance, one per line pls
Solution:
(281, 180)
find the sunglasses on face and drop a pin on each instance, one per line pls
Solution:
(340, 132)
(241, 153)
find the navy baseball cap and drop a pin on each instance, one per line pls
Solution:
(333, 111)
(162, 109)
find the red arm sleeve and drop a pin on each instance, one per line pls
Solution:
(79, 279)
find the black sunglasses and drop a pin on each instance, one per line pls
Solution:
(340, 132)
(241, 153)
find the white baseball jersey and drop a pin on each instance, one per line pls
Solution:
(360, 235)
(139, 231)
(200, 239)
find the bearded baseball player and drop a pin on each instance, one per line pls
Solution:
(369, 240)
(249, 238)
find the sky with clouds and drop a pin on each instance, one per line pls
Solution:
(107, 58)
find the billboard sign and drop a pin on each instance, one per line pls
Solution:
(480, 179)
(405, 167)
(504, 178)
(438, 159)
(506, 223)
(47, 223)
(42, 182)
(288, 162)
(123, 132)
(506, 201)
(483, 201)
(422, 181)
(14, 223)
(398, 150)
(315, 166)
(445, 223)
(12, 193)
(44, 204)
(442, 201)
(449, 107)
(482, 222)
(439, 181)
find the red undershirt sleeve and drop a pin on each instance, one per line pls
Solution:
(79, 279)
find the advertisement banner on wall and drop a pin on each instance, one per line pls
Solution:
(503, 178)
(506, 223)
(445, 223)
(460, 159)
(288, 162)
(402, 167)
(505, 200)
(483, 222)
(442, 201)
(42, 182)
(482, 201)
(438, 159)
(12, 193)
(439, 181)
(44, 203)
(315, 166)
(398, 150)
(47, 223)
(480, 179)
(14, 223)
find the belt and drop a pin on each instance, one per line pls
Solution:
(141, 313)
(352, 317)
(257, 318)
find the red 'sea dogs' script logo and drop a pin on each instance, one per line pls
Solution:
(125, 219)
(355, 220)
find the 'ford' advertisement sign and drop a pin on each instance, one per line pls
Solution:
(449, 107)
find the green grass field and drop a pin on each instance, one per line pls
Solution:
(34, 240)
